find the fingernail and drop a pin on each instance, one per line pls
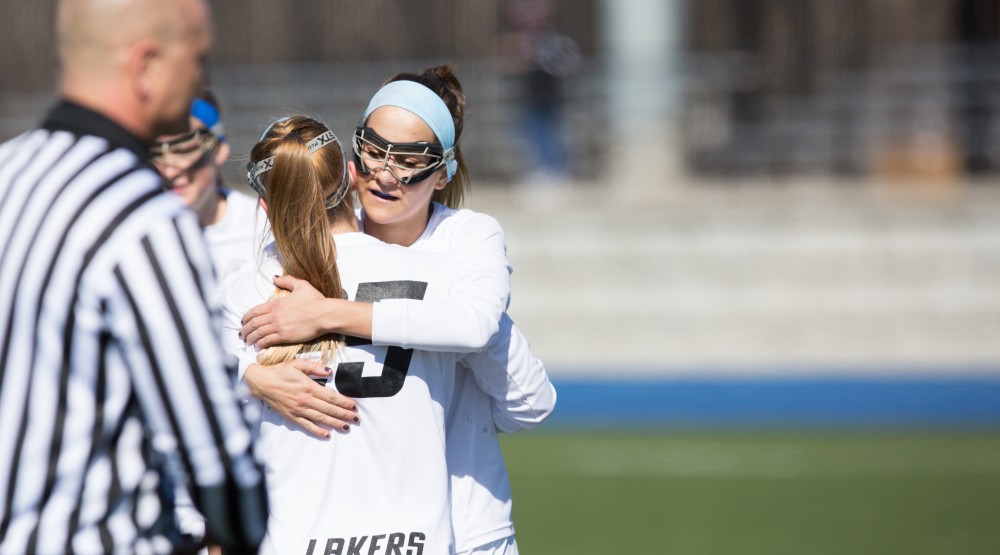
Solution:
(347, 427)
(357, 420)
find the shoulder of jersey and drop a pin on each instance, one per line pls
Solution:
(466, 219)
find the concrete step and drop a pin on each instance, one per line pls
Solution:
(752, 277)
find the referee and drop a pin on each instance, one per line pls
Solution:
(109, 314)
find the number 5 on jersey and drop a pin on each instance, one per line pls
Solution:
(349, 378)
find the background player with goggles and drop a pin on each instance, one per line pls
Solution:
(176, 155)
(191, 166)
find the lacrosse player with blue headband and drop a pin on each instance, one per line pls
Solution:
(392, 466)
(410, 181)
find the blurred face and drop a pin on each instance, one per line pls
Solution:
(180, 71)
(190, 164)
(390, 205)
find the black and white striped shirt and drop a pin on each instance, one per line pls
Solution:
(109, 337)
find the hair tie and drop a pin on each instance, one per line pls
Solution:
(254, 171)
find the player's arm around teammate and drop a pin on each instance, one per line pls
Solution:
(397, 189)
(398, 205)
(405, 163)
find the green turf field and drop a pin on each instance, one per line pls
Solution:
(766, 493)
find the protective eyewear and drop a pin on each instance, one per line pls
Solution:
(187, 153)
(254, 171)
(408, 163)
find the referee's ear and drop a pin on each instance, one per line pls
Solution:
(141, 68)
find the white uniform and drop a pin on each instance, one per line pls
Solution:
(502, 388)
(240, 235)
(508, 388)
(383, 487)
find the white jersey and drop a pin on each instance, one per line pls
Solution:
(502, 386)
(239, 236)
(383, 487)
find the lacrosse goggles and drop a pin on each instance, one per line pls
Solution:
(188, 153)
(408, 163)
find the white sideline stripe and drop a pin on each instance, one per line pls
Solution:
(771, 461)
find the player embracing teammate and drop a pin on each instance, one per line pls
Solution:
(410, 178)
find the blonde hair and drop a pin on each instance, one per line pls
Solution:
(296, 188)
(442, 80)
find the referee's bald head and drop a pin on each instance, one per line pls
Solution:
(137, 60)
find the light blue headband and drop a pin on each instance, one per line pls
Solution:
(426, 105)
(204, 112)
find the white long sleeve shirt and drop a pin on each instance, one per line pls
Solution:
(478, 295)
(507, 389)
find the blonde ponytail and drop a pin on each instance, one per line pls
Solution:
(296, 188)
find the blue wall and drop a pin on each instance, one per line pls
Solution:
(940, 401)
